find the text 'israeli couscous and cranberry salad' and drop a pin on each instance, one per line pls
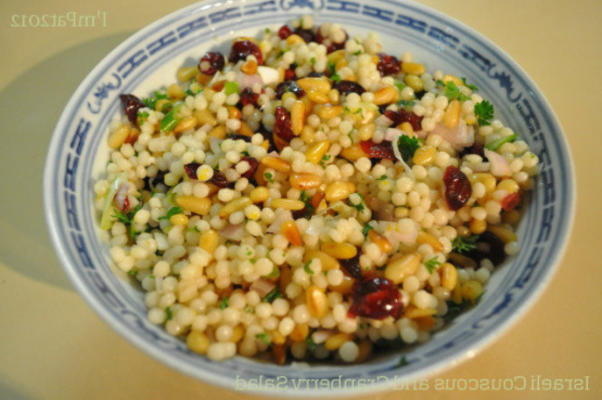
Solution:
(310, 197)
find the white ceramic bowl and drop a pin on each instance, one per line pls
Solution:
(150, 58)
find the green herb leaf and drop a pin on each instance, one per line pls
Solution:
(312, 60)
(195, 229)
(307, 269)
(223, 304)
(304, 197)
(382, 178)
(331, 68)
(231, 87)
(470, 86)
(496, 144)
(273, 295)
(171, 212)
(366, 229)
(274, 274)
(169, 313)
(402, 362)
(484, 112)
(432, 264)
(268, 177)
(150, 102)
(132, 273)
(141, 117)
(335, 78)
(248, 309)
(406, 103)
(461, 245)
(357, 53)
(407, 146)
(311, 345)
(453, 92)
(263, 337)
(399, 85)
(169, 121)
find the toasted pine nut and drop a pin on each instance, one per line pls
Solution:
(342, 251)
(339, 191)
(382, 242)
(197, 342)
(334, 96)
(288, 204)
(427, 238)
(234, 205)
(276, 163)
(218, 132)
(245, 129)
(449, 276)
(119, 136)
(175, 91)
(317, 302)
(327, 262)
(509, 185)
(354, 152)
(277, 337)
(327, 112)
(425, 323)
(185, 74)
(178, 219)
(385, 95)
(278, 352)
(249, 67)
(315, 84)
(335, 56)
(412, 68)
(504, 234)
(299, 333)
(194, 204)
(345, 286)
(185, 124)
(291, 232)
(414, 82)
(203, 79)
(471, 290)
(304, 181)
(452, 114)
(208, 241)
(294, 39)
(412, 312)
(335, 341)
(233, 112)
(316, 151)
(462, 260)
(205, 117)
(237, 334)
(399, 268)
(317, 97)
(478, 226)
(297, 116)
(259, 194)
(452, 78)
(424, 155)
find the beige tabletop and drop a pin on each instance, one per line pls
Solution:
(53, 346)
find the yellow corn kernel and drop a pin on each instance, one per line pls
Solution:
(259, 194)
(185, 74)
(178, 219)
(234, 205)
(424, 155)
(365, 132)
(412, 68)
(401, 267)
(382, 242)
(407, 128)
(316, 151)
(335, 341)
(449, 276)
(297, 117)
(197, 342)
(299, 333)
(339, 191)
(218, 132)
(385, 95)
(175, 91)
(291, 233)
(288, 204)
(478, 226)
(353, 152)
(427, 238)
(471, 290)
(452, 114)
(414, 82)
(342, 251)
(276, 163)
(294, 39)
(327, 262)
(509, 185)
(185, 124)
(315, 84)
(119, 136)
(304, 181)
(205, 117)
(412, 312)
(249, 67)
(194, 204)
(317, 97)
(208, 241)
(334, 96)
(335, 56)
(317, 302)
(328, 112)
(487, 180)
(504, 234)
(452, 78)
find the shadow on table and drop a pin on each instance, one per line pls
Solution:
(29, 109)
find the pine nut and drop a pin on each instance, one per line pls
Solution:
(294, 39)
(382, 242)
(471, 290)
(175, 91)
(462, 260)
(427, 238)
(299, 333)
(339, 191)
(327, 262)
(504, 234)
(317, 97)
(249, 67)
(412, 312)
(194, 204)
(245, 129)
(276, 163)
(316, 151)
(287, 204)
(509, 185)
(317, 302)
(297, 117)
(185, 124)
(234, 205)
(208, 241)
(452, 114)
(449, 276)
(412, 68)
(401, 267)
(185, 74)
(414, 82)
(259, 194)
(424, 155)
(291, 232)
(178, 219)
(345, 287)
(452, 78)
(342, 251)
(314, 84)
(385, 95)
(353, 152)
(478, 226)
(233, 112)
(205, 117)
(118, 137)
(487, 180)
(218, 132)
(305, 181)
(335, 341)
(327, 112)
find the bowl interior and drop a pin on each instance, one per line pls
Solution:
(150, 58)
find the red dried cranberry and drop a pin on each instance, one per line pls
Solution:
(330, 45)
(282, 124)
(289, 86)
(352, 266)
(381, 150)
(253, 163)
(510, 201)
(131, 105)
(289, 74)
(388, 64)
(191, 168)
(306, 34)
(346, 87)
(248, 96)
(243, 48)
(457, 188)
(375, 297)
(284, 32)
(219, 179)
(402, 115)
(212, 62)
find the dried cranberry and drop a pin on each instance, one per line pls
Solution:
(243, 48)
(289, 74)
(352, 266)
(248, 96)
(346, 87)
(457, 188)
(219, 179)
(402, 115)
(375, 297)
(282, 124)
(284, 32)
(510, 201)
(289, 86)
(306, 34)
(212, 62)
(191, 169)
(330, 45)
(381, 150)
(131, 105)
(388, 64)
(253, 163)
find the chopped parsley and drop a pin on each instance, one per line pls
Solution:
(307, 269)
(335, 78)
(169, 313)
(128, 219)
(311, 345)
(406, 103)
(331, 68)
(432, 264)
(357, 53)
(461, 245)
(382, 178)
(169, 121)
(312, 60)
(141, 118)
(407, 146)
(399, 85)
(359, 206)
(304, 197)
(194, 229)
(132, 273)
(269, 177)
(248, 309)
(150, 102)
(223, 304)
(231, 87)
(273, 295)
(496, 144)
(402, 362)
(452, 91)
(366, 229)
(274, 274)
(484, 112)
(472, 87)
(171, 212)
(263, 337)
